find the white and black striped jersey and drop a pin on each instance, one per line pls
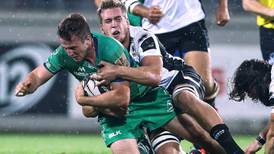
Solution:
(144, 43)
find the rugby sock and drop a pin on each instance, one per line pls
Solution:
(222, 135)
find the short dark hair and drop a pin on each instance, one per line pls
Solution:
(75, 24)
(109, 4)
(252, 78)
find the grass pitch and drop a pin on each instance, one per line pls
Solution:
(71, 144)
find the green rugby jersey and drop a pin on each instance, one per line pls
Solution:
(107, 49)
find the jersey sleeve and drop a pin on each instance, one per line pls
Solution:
(113, 52)
(130, 4)
(147, 44)
(53, 63)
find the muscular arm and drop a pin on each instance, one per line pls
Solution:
(256, 7)
(149, 73)
(117, 97)
(91, 112)
(34, 80)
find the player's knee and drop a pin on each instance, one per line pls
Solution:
(125, 146)
(170, 148)
(186, 101)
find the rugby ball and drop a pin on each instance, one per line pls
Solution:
(91, 87)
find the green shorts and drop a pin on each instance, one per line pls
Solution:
(152, 111)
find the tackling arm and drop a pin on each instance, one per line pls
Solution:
(148, 73)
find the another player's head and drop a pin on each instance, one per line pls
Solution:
(113, 19)
(74, 35)
(252, 78)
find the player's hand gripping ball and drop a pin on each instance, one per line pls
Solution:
(92, 87)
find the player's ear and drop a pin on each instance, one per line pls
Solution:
(88, 39)
(127, 20)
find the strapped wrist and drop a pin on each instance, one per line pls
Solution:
(261, 140)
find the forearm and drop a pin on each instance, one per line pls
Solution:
(40, 75)
(91, 112)
(256, 7)
(140, 10)
(110, 99)
(223, 3)
(148, 75)
(114, 112)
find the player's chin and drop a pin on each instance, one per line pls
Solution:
(117, 37)
(77, 59)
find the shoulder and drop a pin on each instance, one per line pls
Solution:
(140, 35)
(109, 49)
(137, 32)
(58, 52)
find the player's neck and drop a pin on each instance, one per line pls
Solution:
(126, 42)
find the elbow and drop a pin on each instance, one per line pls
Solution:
(79, 101)
(155, 80)
(123, 98)
(124, 102)
(89, 111)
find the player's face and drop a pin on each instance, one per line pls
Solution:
(115, 24)
(75, 48)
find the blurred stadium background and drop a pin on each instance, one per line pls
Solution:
(28, 35)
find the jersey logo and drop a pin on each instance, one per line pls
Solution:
(148, 44)
(114, 134)
(142, 38)
(81, 69)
